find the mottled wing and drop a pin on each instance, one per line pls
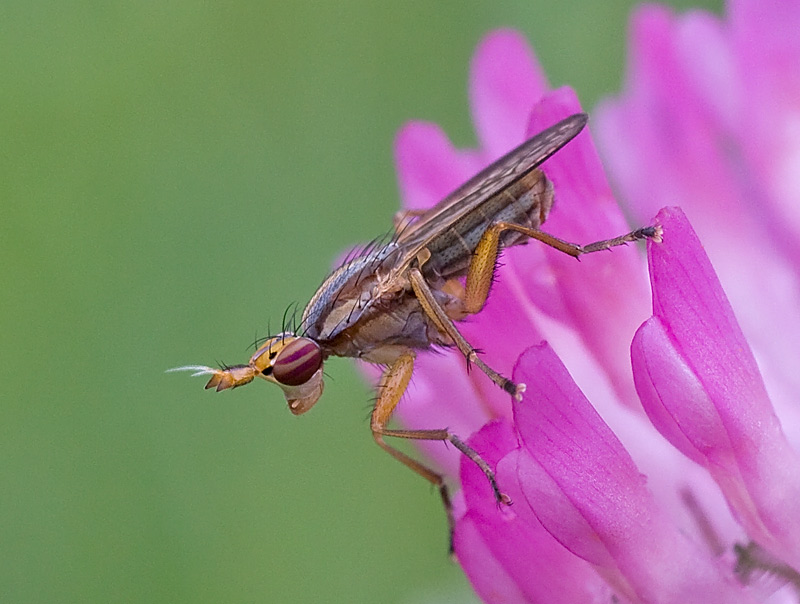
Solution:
(488, 182)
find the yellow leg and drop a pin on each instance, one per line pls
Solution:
(481, 268)
(445, 324)
(392, 386)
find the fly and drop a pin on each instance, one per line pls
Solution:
(396, 299)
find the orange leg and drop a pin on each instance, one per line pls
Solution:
(391, 388)
(481, 268)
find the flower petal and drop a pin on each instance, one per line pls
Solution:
(505, 82)
(513, 535)
(702, 123)
(699, 382)
(488, 576)
(604, 296)
(664, 140)
(767, 51)
(588, 493)
(429, 167)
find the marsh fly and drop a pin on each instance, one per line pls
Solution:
(405, 296)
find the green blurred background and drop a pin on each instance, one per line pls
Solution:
(174, 174)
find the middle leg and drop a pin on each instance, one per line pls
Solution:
(445, 324)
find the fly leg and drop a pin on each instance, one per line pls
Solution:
(391, 388)
(445, 324)
(481, 268)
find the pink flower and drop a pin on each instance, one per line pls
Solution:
(678, 482)
(710, 120)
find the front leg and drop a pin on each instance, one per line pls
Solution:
(391, 388)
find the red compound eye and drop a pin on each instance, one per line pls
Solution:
(297, 362)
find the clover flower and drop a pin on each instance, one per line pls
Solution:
(680, 480)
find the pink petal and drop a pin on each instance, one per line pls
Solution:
(767, 52)
(663, 140)
(689, 130)
(704, 50)
(488, 576)
(587, 492)
(505, 82)
(513, 535)
(698, 380)
(429, 167)
(604, 296)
